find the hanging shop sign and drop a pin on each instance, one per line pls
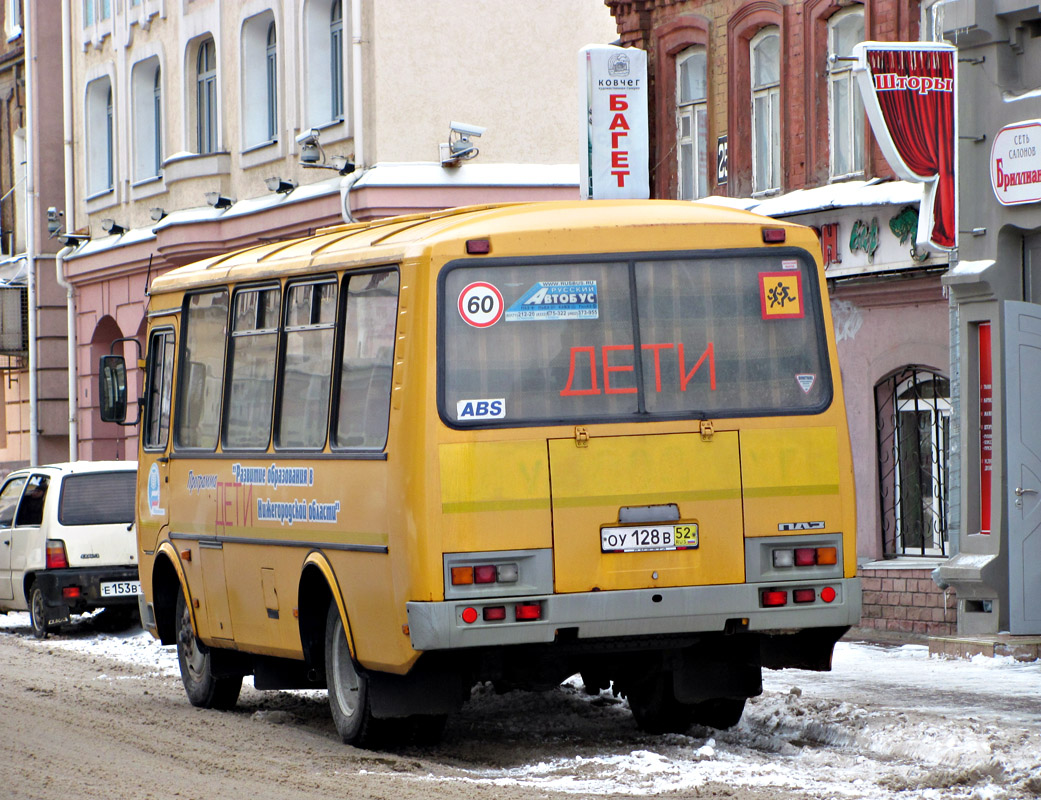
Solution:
(909, 94)
(1015, 163)
(614, 151)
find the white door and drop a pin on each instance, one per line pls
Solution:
(9, 497)
(1023, 448)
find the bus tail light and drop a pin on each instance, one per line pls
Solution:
(494, 613)
(774, 235)
(805, 557)
(784, 558)
(462, 576)
(774, 597)
(804, 595)
(469, 615)
(827, 555)
(56, 558)
(527, 611)
(828, 594)
(484, 574)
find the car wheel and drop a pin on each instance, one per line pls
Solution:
(205, 689)
(38, 612)
(348, 687)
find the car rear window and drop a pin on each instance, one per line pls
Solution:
(97, 498)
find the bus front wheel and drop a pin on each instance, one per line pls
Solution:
(348, 688)
(204, 687)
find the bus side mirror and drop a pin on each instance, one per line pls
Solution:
(112, 383)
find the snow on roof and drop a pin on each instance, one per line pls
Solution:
(841, 195)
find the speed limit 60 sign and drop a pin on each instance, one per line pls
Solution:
(480, 304)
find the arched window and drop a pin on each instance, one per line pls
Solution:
(206, 97)
(765, 61)
(147, 99)
(845, 108)
(271, 64)
(336, 59)
(913, 410)
(100, 137)
(692, 123)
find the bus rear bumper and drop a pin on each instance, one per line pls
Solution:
(637, 612)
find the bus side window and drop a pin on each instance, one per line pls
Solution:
(250, 389)
(368, 361)
(202, 369)
(307, 364)
(159, 389)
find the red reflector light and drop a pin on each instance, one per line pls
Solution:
(774, 235)
(56, 558)
(528, 611)
(827, 594)
(70, 592)
(469, 615)
(805, 556)
(484, 574)
(494, 613)
(804, 595)
(480, 247)
(462, 576)
(827, 555)
(774, 597)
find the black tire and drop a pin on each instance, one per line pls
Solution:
(427, 729)
(348, 687)
(655, 707)
(204, 688)
(720, 712)
(38, 613)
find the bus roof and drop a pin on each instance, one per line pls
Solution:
(392, 239)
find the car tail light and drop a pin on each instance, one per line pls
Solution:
(804, 595)
(827, 594)
(462, 576)
(484, 574)
(775, 597)
(827, 555)
(56, 558)
(527, 611)
(494, 613)
(70, 592)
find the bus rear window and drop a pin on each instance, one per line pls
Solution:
(720, 335)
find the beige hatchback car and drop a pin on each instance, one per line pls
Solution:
(67, 542)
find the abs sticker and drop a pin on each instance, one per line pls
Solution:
(480, 409)
(548, 300)
(780, 295)
(480, 305)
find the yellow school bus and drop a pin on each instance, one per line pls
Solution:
(507, 443)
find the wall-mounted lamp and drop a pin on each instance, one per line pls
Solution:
(217, 200)
(157, 213)
(460, 146)
(54, 221)
(279, 186)
(113, 228)
(313, 156)
(73, 239)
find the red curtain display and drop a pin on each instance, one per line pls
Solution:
(920, 117)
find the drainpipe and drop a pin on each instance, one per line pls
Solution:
(357, 109)
(70, 196)
(30, 232)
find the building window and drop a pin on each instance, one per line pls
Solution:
(692, 123)
(88, 12)
(146, 86)
(206, 97)
(100, 136)
(13, 18)
(845, 108)
(260, 80)
(764, 51)
(271, 62)
(913, 412)
(323, 48)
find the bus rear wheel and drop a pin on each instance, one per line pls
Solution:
(720, 712)
(204, 687)
(348, 687)
(655, 707)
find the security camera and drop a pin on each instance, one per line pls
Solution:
(465, 129)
